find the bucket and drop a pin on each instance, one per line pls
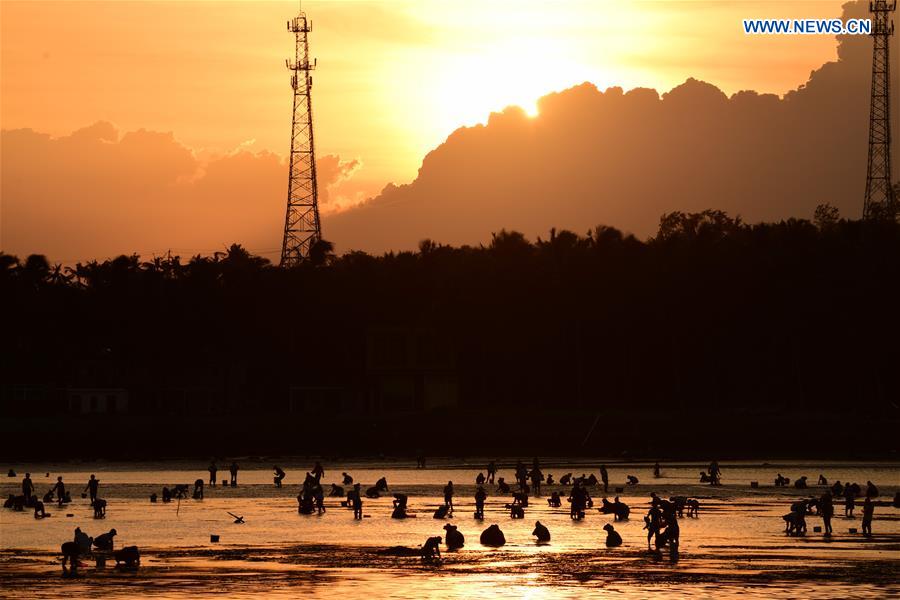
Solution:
(817, 529)
(853, 530)
(213, 538)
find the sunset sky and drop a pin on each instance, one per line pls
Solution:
(395, 78)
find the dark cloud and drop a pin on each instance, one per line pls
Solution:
(622, 159)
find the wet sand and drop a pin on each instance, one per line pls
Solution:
(735, 548)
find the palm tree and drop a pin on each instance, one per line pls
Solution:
(321, 253)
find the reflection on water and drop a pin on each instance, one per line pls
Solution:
(736, 546)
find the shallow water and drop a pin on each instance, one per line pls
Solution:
(736, 546)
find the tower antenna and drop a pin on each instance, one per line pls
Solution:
(880, 201)
(302, 227)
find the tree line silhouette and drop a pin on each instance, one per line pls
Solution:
(710, 325)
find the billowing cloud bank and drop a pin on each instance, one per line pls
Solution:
(622, 159)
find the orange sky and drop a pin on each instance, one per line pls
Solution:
(394, 79)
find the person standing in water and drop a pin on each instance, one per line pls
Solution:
(318, 472)
(448, 496)
(92, 486)
(27, 488)
(604, 477)
(213, 469)
(60, 490)
(868, 515)
(849, 501)
(826, 510)
(233, 469)
(357, 502)
(491, 471)
(279, 475)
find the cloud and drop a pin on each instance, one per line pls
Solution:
(610, 157)
(96, 193)
(331, 171)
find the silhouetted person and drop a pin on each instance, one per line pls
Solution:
(479, 480)
(431, 549)
(198, 489)
(448, 495)
(213, 469)
(454, 539)
(305, 502)
(92, 486)
(554, 501)
(347, 479)
(493, 536)
(613, 539)
(233, 470)
(318, 472)
(319, 498)
(871, 490)
(868, 515)
(822, 480)
(104, 541)
(541, 532)
(60, 490)
(491, 471)
(653, 523)
(357, 502)
(99, 506)
(83, 541)
(837, 489)
(336, 491)
(656, 471)
(502, 486)
(715, 473)
(39, 512)
(620, 510)
(536, 478)
(480, 496)
(780, 480)
(826, 510)
(632, 480)
(604, 477)
(400, 502)
(550, 479)
(279, 475)
(27, 488)
(128, 557)
(577, 502)
(70, 553)
(800, 483)
(849, 501)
